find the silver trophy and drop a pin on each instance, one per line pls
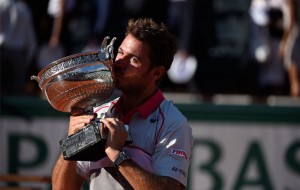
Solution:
(81, 81)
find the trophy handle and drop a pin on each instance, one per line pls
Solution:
(35, 78)
(107, 51)
(110, 47)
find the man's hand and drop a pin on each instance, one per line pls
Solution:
(78, 120)
(117, 137)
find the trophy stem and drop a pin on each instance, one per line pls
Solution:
(89, 110)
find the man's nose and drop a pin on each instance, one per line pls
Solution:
(120, 62)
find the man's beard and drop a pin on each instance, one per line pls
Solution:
(130, 84)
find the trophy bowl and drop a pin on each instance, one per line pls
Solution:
(78, 81)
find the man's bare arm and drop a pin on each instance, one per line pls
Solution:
(65, 177)
(134, 174)
(64, 174)
(143, 180)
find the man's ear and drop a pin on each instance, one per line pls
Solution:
(158, 72)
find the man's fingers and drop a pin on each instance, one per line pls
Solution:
(117, 134)
(112, 123)
(108, 124)
(81, 119)
(78, 122)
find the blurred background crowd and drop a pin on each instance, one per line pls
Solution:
(231, 47)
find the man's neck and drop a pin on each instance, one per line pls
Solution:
(134, 100)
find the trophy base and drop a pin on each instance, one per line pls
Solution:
(88, 144)
(85, 145)
(91, 153)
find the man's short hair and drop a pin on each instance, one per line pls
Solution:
(162, 43)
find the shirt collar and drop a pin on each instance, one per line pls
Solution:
(147, 107)
(151, 104)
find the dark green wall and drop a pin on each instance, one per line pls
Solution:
(204, 111)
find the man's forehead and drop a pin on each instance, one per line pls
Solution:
(134, 46)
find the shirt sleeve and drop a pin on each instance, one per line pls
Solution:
(173, 151)
(83, 169)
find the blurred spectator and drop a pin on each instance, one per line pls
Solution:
(192, 23)
(72, 24)
(182, 72)
(17, 45)
(266, 28)
(290, 45)
(155, 9)
(184, 66)
(41, 19)
(81, 25)
(110, 20)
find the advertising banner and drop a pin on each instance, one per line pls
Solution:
(245, 156)
(226, 155)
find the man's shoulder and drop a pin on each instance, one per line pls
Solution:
(168, 106)
(172, 115)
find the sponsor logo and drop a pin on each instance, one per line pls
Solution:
(179, 153)
(179, 170)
